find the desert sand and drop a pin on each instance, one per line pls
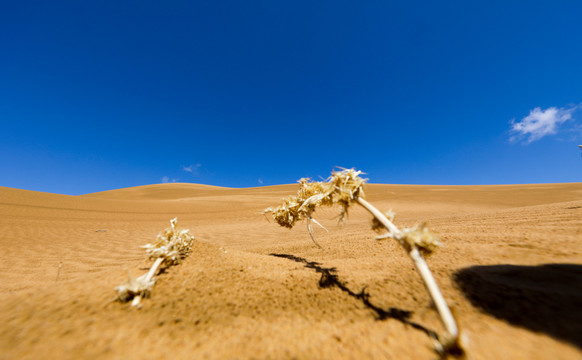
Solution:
(510, 268)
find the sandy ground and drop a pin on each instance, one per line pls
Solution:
(510, 268)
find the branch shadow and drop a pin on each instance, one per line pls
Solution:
(330, 279)
(545, 298)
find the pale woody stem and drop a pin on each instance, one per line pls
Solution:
(136, 302)
(429, 281)
(154, 269)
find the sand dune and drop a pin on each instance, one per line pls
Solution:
(511, 269)
(157, 192)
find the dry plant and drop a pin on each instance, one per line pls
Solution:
(170, 247)
(344, 188)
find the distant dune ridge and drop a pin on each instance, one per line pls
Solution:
(510, 268)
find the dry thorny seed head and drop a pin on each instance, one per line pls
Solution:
(342, 187)
(420, 237)
(171, 245)
(134, 287)
(417, 236)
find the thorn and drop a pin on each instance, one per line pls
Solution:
(310, 231)
(385, 236)
(321, 226)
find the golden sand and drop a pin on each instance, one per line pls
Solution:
(510, 268)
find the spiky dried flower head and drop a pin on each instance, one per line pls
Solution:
(419, 237)
(135, 287)
(171, 244)
(299, 207)
(342, 187)
(347, 185)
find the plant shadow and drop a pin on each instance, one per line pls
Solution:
(545, 298)
(330, 279)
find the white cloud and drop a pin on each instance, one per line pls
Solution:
(192, 168)
(166, 179)
(261, 181)
(540, 123)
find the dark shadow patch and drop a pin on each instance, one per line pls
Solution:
(545, 298)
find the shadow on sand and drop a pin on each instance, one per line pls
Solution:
(545, 298)
(330, 279)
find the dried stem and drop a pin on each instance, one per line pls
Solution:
(154, 269)
(149, 276)
(424, 271)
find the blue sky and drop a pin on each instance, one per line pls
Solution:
(98, 95)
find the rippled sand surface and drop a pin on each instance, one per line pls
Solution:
(510, 268)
